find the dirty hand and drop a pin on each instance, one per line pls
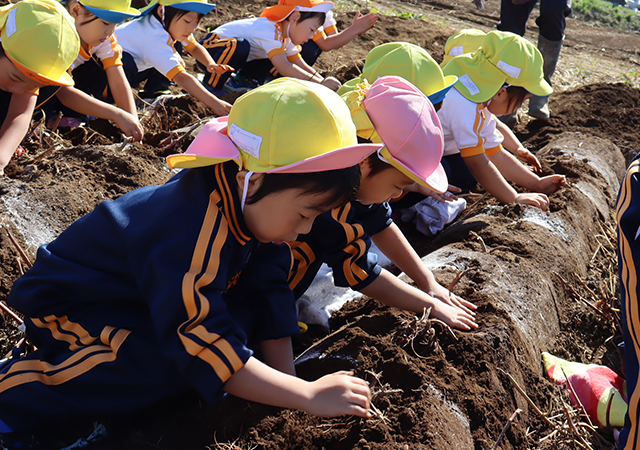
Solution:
(534, 199)
(130, 126)
(221, 108)
(445, 295)
(526, 156)
(453, 316)
(332, 83)
(479, 3)
(364, 23)
(338, 394)
(219, 68)
(448, 196)
(551, 183)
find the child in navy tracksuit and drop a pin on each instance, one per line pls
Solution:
(126, 306)
(628, 218)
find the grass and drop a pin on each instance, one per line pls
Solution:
(607, 13)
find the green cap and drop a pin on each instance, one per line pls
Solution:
(503, 58)
(408, 61)
(40, 38)
(465, 41)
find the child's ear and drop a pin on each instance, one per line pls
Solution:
(254, 182)
(294, 16)
(74, 9)
(365, 168)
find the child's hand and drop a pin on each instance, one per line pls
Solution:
(129, 125)
(332, 83)
(454, 316)
(445, 295)
(534, 199)
(551, 183)
(337, 394)
(448, 196)
(219, 68)
(526, 156)
(364, 23)
(221, 108)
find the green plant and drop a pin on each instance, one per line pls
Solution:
(609, 14)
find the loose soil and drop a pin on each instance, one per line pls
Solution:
(433, 389)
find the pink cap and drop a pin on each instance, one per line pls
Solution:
(409, 127)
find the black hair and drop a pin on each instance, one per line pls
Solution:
(94, 18)
(376, 165)
(304, 15)
(171, 14)
(438, 105)
(340, 185)
(516, 95)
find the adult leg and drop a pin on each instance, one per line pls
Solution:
(514, 17)
(552, 23)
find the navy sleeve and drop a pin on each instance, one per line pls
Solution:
(374, 218)
(262, 302)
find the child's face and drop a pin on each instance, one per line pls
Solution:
(381, 187)
(14, 81)
(181, 27)
(301, 32)
(283, 215)
(499, 104)
(91, 29)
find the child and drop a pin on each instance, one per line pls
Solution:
(414, 64)
(628, 225)
(38, 44)
(494, 80)
(256, 45)
(468, 41)
(408, 125)
(125, 307)
(328, 37)
(101, 78)
(149, 53)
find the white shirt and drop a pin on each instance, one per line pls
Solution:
(265, 37)
(469, 129)
(152, 46)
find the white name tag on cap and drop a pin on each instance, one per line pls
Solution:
(248, 142)
(469, 84)
(10, 26)
(457, 50)
(508, 69)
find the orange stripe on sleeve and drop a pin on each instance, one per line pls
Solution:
(493, 150)
(175, 71)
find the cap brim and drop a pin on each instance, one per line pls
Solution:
(64, 80)
(541, 90)
(211, 146)
(113, 16)
(440, 95)
(198, 7)
(436, 181)
(324, 7)
(336, 159)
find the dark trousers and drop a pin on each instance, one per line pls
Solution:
(458, 173)
(232, 52)
(551, 22)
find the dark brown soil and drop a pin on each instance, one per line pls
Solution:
(433, 390)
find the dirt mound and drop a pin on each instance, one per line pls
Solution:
(541, 281)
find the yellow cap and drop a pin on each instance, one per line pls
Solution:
(503, 58)
(114, 11)
(465, 41)
(40, 38)
(409, 61)
(285, 126)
